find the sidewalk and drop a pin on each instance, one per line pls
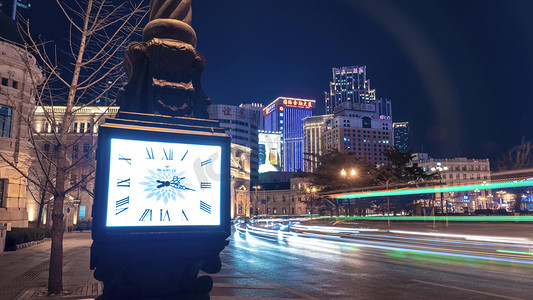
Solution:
(24, 276)
(25, 272)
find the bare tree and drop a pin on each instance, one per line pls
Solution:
(74, 78)
(517, 158)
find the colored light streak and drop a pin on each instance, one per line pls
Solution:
(443, 218)
(332, 244)
(523, 182)
(515, 252)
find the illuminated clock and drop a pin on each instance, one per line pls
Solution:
(164, 178)
(163, 183)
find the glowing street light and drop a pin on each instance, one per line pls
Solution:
(344, 173)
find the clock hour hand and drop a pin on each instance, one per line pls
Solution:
(162, 183)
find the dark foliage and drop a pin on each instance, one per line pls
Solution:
(23, 235)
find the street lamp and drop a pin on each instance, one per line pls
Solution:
(257, 187)
(439, 169)
(344, 173)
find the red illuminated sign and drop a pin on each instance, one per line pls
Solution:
(298, 103)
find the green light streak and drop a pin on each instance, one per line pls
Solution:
(515, 252)
(439, 189)
(443, 218)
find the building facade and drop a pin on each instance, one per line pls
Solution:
(242, 125)
(19, 75)
(240, 166)
(358, 129)
(281, 198)
(401, 135)
(461, 170)
(313, 140)
(82, 137)
(257, 107)
(349, 85)
(360, 124)
(286, 115)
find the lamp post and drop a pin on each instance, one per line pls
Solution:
(439, 169)
(347, 175)
(256, 187)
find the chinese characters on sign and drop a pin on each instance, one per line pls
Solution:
(298, 103)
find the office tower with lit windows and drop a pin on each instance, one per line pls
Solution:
(242, 125)
(361, 124)
(349, 85)
(286, 115)
(258, 107)
(313, 141)
(401, 135)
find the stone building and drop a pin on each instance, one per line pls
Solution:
(461, 170)
(19, 74)
(240, 180)
(281, 198)
(83, 138)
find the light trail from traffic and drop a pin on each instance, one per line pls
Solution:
(394, 242)
(441, 218)
(512, 183)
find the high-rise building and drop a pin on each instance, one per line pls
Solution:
(361, 124)
(358, 129)
(313, 140)
(258, 107)
(286, 116)
(401, 135)
(242, 125)
(349, 85)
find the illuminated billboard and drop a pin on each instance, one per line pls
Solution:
(298, 103)
(270, 152)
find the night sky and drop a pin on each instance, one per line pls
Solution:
(460, 72)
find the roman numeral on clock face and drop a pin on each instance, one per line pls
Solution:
(184, 216)
(121, 205)
(123, 182)
(206, 162)
(205, 207)
(184, 155)
(128, 160)
(205, 185)
(146, 214)
(164, 216)
(150, 153)
(168, 154)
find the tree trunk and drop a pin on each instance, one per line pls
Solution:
(41, 208)
(55, 274)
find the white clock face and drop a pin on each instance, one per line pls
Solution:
(163, 184)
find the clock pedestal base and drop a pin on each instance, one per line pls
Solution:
(131, 271)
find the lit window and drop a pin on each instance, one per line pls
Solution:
(5, 121)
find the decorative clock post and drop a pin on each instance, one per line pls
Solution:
(162, 195)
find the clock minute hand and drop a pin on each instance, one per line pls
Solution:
(176, 183)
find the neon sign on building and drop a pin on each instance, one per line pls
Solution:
(297, 103)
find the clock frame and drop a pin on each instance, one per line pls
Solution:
(163, 130)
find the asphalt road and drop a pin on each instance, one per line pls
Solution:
(346, 261)
(363, 263)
